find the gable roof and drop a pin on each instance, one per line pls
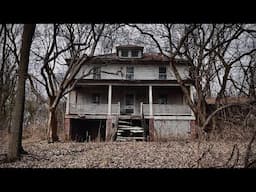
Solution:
(129, 46)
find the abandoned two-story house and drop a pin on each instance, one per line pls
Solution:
(129, 95)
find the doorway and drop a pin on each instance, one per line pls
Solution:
(129, 104)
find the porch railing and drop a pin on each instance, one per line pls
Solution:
(167, 109)
(93, 109)
(102, 109)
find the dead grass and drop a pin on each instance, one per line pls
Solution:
(172, 154)
(220, 152)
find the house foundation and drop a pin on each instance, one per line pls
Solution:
(109, 127)
(151, 129)
(67, 128)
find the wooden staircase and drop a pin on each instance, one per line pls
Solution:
(126, 131)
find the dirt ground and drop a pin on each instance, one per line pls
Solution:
(172, 154)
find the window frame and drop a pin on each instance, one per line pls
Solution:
(129, 74)
(162, 75)
(125, 51)
(132, 53)
(97, 73)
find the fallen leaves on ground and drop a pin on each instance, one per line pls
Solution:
(173, 154)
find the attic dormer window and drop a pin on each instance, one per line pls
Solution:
(129, 51)
(135, 53)
(124, 53)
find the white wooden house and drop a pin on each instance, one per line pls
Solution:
(129, 94)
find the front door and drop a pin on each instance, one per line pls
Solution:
(129, 103)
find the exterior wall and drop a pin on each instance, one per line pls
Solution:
(141, 72)
(166, 129)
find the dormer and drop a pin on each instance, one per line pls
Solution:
(129, 51)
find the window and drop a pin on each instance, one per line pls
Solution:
(124, 53)
(129, 73)
(96, 73)
(96, 98)
(135, 53)
(162, 73)
(162, 99)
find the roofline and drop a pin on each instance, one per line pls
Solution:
(129, 47)
(124, 82)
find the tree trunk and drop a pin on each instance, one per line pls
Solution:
(52, 135)
(15, 132)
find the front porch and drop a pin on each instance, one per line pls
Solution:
(151, 100)
(159, 105)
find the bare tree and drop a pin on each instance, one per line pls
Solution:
(9, 43)
(15, 132)
(207, 49)
(78, 42)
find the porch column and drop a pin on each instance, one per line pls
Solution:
(151, 118)
(109, 99)
(67, 104)
(109, 118)
(193, 130)
(191, 94)
(192, 99)
(150, 101)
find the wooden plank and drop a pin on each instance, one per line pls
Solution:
(130, 138)
(124, 122)
(137, 131)
(130, 128)
(124, 126)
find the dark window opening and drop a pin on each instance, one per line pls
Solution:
(129, 99)
(124, 53)
(130, 73)
(162, 99)
(96, 98)
(135, 53)
(162, 73)
(97, 73)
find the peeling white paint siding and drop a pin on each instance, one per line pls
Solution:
(172, 128)
(72, 97)
(141, 72)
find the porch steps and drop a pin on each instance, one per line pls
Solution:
(128, 132)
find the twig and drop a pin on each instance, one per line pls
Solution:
(231, 156)
(203, 155)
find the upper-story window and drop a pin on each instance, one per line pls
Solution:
(162, 72)
(97, 73)
(129, 73)
(124, 53)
